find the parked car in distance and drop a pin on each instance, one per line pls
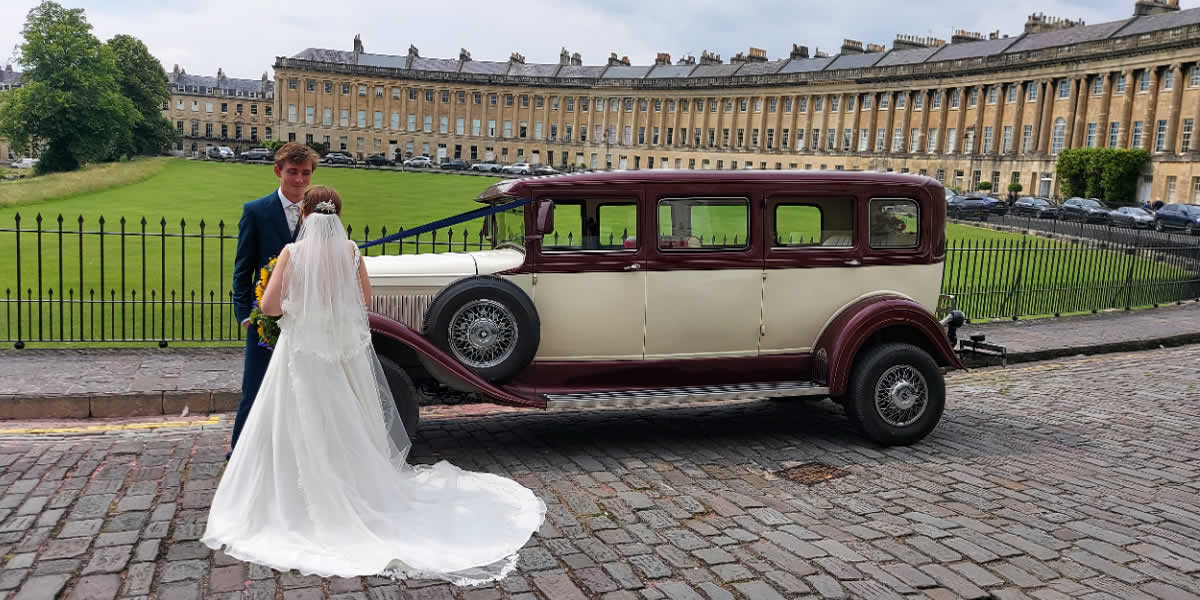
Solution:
(517, 169)
(489, 166)
(1131, 216)
(221, 153)
(419, 162)
(379, 160)
(967, 208)
(257, 154)
(545, 170)
(995, 205)
(1031, 206)
(1084, 210)
(23, 163)
(454, 164)
(338, 158)
(665, 287)
(1178, 216)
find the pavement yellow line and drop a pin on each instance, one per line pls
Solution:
(121, 427)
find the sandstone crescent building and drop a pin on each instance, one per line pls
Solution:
(212, 111)
(982, 107)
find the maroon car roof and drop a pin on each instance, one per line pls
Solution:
(516, 188)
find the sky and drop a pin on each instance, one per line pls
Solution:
(244, 37)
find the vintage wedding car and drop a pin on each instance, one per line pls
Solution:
(663, 287)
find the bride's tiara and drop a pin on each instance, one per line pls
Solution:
(325, 207)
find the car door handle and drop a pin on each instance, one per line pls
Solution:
(633, 267)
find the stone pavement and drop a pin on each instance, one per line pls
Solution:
(1075, 478)
(122, 382)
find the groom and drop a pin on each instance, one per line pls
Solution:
(267, 225)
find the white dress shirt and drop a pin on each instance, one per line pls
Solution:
(290, 209)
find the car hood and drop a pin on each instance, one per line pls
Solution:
(438, 270)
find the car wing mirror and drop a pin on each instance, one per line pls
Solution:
(545, 217)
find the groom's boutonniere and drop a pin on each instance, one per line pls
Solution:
(268, 326)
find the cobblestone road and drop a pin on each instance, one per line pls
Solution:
(1074, 478)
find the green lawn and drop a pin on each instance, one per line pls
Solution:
(186, 194)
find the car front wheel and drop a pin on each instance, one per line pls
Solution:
(897, 394)
(487, 324)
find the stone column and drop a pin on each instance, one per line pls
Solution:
(926, 106)
(888, 132)
(1047, 118)
(980, 108)
(998, 123)
(943, 121)
(1149, 126)
(1173, 111)
(1019, 119)
(838, 123)
(856, 123)
(873, 123)
(1102, 115)
(906, 125)
(1194, 142)
(1079, 123)
(960, 130)
(1123, 137)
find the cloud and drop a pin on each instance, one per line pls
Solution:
(244, 37)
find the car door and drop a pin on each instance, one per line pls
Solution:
(589, 288)
(812, 265)
(703, 272)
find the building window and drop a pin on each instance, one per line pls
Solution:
(1114, 130)
(1194, 76)
(1137, 135)
(1011, 94)
(444, 125)
(308, 115)
(1026, 139)
(1119, 84)
(1168, 81)
(951, 140)
(993, 94)
(937, 100)
(1064, 89)
(973, 98)
(428, 123)
(1196, 190)
(395, 120)
(378, 119)
(954, 98)
(291, 113)
(1143, 81)
(362, 118)
(918, 101)
(1032, 94)
(1186, 137)
(1160, 136)
(1090, 142)
(1097, 86)
(834, 103)
(1006, 140)
(1056, 140)
(933, 141)
(1170, 189)
(344, 117)
(987, 139)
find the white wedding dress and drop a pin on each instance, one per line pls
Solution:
(319, 481)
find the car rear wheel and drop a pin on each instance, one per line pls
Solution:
(487, 324)
(404, 393)
(897, 394)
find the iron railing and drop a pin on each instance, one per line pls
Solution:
(105, 282)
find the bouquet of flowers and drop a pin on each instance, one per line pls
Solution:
(268, 326)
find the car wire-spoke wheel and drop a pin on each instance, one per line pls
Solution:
(483, 333)
(901, 395)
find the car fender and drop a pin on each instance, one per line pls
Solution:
(395, 331)
(891, 316)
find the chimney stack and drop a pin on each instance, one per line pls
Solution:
(413, 52)
(852, 46)
(799, 52)
(463, 55)
(663, 58)
(613, 61)
(757, 55)
(1039, 22)
(874, 48)
(358, 47)
(687, 60)
(576, 59)
(1143, 8)
(516, 57)
(708, 58)
(962, 35)
(909, 42)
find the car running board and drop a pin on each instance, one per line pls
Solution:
(683, 395)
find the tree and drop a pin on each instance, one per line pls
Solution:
(984, 186)
(273, 145)
(144, 82)
(321, 148)
(1110, 174)
(70, 103)
(1015, 188)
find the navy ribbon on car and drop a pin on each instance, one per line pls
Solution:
(448, 221)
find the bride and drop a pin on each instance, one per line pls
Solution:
(320, 481)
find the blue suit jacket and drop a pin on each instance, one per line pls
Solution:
(262, 233)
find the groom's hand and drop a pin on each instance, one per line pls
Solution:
(246, 324)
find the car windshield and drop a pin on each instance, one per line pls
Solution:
(1040, 202)
(1137, 211)
(1090, 203)
(1190, 210)
(510, 228)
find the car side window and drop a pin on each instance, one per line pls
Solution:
(814, 222)
(703, 223)
(581, 224)
(894, 223)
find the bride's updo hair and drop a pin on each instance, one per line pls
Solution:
(321, 199)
